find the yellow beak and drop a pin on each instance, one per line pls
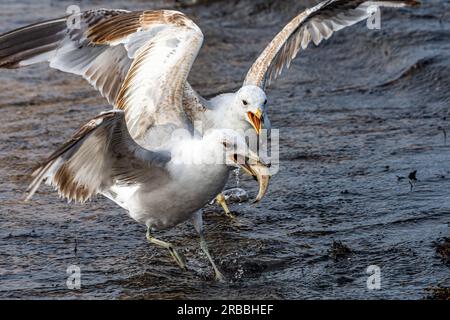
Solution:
(255, 120)
(257, 169)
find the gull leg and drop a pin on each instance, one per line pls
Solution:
(218, 275)
(221, 201)
(178, 257)
(198, 224)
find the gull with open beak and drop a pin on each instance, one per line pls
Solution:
(255, 120)
(255, 167)
(140, 61)
(144, 155)
(108, 44)
(158, 187)
(247, 109)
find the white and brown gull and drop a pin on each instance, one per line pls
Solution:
(140, 61)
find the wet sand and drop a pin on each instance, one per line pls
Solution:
(356, 116)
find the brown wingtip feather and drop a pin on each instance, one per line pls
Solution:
(29, 42)
(9, 65)
(64, 179)
(119, 27)
(114, 28)
(68, 188)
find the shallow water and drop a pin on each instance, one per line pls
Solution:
(355, 114)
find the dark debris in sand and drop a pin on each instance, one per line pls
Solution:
(340, 250)
(442, 248)
(438, 293)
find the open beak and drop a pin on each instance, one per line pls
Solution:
(255, 120)
(258, 170)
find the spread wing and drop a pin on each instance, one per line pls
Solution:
(163, 49)
(314, 24)
(115, 50)
(100, 154)
(66, 47)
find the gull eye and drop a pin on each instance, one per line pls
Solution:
(265, 102)
(245, 102)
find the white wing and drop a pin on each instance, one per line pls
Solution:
(100, 154)
(314, 24)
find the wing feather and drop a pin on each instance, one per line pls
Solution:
(101, 153)
(152, 93)
(101, 50)
(314, 24)
(67, 49)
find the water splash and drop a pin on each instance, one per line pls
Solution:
(237, 172)
(236, 195)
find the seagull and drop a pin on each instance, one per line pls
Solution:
(159, 187)
(102, 45)
(132, 59)
(144, 155)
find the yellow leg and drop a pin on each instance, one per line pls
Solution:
(218, 275)
(178, 257)
(198, 224)
(221, 201)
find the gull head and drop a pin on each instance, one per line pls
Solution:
(251, 102)
(237, 154)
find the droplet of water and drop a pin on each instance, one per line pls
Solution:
(236, 195)
(237, 171)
